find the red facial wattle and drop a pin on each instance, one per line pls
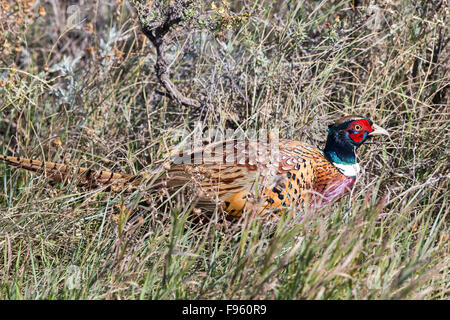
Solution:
(359, 129)
(357, 137)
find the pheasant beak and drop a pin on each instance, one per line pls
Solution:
(377, 130)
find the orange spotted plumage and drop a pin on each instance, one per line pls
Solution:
(244, 175)
(301, 175)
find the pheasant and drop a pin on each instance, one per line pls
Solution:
(265, 177)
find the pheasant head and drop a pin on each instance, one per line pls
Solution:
(346, 136)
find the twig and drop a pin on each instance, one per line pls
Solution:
(159, 33)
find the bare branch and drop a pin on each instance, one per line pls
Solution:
(160, 33)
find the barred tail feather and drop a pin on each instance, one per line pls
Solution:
(84, 177)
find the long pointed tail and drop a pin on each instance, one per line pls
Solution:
(84, 177)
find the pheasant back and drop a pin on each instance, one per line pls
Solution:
(259, 176)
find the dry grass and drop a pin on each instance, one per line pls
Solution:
(90, 96)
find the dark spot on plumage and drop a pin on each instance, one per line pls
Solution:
(232, 211)
(290, 185)
(297, 167)
(289, 174)
(280, 196)
(283, 186)
(227, 204)
(294, 176)
(298, 181)
(270, 200)
(295, 191)
(276, 190)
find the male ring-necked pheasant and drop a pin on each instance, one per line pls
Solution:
(244, 175)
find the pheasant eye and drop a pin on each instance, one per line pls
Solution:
(357, 127)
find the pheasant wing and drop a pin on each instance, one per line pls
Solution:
(221, 169)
